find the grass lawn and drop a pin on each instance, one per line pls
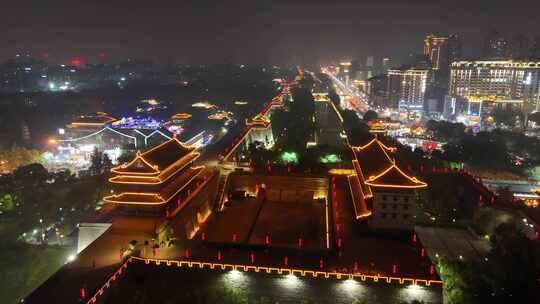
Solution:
(25, 267)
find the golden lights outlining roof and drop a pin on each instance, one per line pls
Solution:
(97, 120)
(156, 198)
(374, 161)
(375, 140)
(394, 177)
(260, 120)
(157, 159)
(181, 116)
(158, 174)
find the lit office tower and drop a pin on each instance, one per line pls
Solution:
(407, 88)
(535, 49)
(499, 81)
(386, 64)
(345, 70)
(435, 48)
(496, 46)
(454, 48)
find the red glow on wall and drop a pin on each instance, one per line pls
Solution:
(76, 61)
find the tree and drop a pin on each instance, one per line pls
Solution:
(334, 97)
(31, 175)
(369, 115)
(126, 156)
(508, 274)
(446, 131)
(99, 163)
(535, 117)
(506, 117)
(296, 125)
(18, 156)
(96, 162)
(106, 163)
(357, 130)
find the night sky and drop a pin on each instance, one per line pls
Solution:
(256, 31)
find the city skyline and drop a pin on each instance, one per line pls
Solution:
(302, 32)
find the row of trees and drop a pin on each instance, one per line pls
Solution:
(507, 275)
(11, 159)
(493, 151)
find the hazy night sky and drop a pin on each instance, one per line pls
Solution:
(256, 31)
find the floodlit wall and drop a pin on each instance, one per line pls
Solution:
(89, 232)
(394, 211)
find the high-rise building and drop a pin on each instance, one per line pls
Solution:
(519, 47)
(535, 49)
(435, 48)
(496, 80)
(376, 90)
(407, 87)
(345, 71)
(369, 62)
(386, 64)
(496, 46)
(454, 48)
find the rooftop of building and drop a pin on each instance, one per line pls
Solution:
(98, 119)
(158, 159)
(376, 170)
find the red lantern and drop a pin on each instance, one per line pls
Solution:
(394, 269)
(286, 260)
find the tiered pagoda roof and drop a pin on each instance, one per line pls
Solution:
(393, 177)
(376, 169)
(161, 172)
